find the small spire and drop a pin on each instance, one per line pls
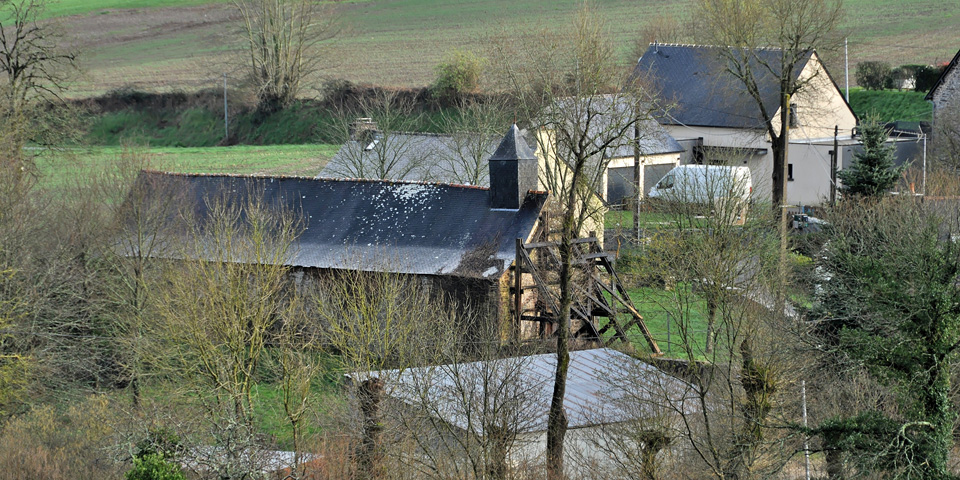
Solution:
(513, 147)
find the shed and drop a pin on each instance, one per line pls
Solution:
(604, 387)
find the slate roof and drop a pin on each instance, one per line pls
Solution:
(943, 76)
(691, 80)
(603, 386)
(419, 157)
(512, 149)
(403, 227)
(654, 140)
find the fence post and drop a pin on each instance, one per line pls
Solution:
(669, 343)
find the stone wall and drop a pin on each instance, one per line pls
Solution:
(948, 93)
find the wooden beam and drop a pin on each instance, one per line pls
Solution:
(518, 288)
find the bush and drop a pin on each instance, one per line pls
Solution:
(457, 75)
(873, 75)
(927, 76)
(154, 467)
(45, 443)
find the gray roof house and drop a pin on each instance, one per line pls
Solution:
(701, 104)
(462, 158)
(460, 238)
(694, 91)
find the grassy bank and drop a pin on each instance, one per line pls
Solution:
(891, 105)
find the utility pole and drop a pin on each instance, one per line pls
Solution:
(846, 69)
(924, 187)
(834, 156)
(636, 182)
(806, 447)
(226, 128)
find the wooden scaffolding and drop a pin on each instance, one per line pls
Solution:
(601, 310)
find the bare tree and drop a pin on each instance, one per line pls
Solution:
(139, 228)
(34, 69)
(582, 107)
(794, 30)
(741, 351)
(378, 321)
(281, 39)
(221, 303)
(13, 363)
(467, 414)
(473, 128)
(377, 143)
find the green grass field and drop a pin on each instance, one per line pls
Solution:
(65, 8)
(59, 167)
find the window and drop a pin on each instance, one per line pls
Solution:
(665, 182)
(789, 172)
(793, 115)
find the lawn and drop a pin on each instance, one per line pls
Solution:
(58, 167)
(671, 316)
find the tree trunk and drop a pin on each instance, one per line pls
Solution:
(779, 147)
(834, 464)
(711, 321)
(557, 419)
(496, 461)
(369, 458)
(652, 443)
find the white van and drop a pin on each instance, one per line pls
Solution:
(723, 188)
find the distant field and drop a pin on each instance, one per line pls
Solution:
(170, 44)
(56, 168)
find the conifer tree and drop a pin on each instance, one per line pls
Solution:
(873, 173)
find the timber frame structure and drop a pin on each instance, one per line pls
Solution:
(600, 302)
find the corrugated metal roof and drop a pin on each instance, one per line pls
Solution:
(403, 227)
(692, 85)
(603, 386)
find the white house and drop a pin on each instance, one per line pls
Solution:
(709, 109)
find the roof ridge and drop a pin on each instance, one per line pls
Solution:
(301, 177)
(698, 45)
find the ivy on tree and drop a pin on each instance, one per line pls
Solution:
(889, 303)
(873, 173)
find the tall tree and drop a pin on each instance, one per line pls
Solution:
(376, 138)
(580, 106)
(889, 303)
(794, 29)
(35, 66)
(281, 38)
(219, 310)
(873, 172)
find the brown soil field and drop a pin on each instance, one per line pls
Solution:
(188, 48)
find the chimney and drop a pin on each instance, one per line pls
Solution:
(513, 171)
(363, 130)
